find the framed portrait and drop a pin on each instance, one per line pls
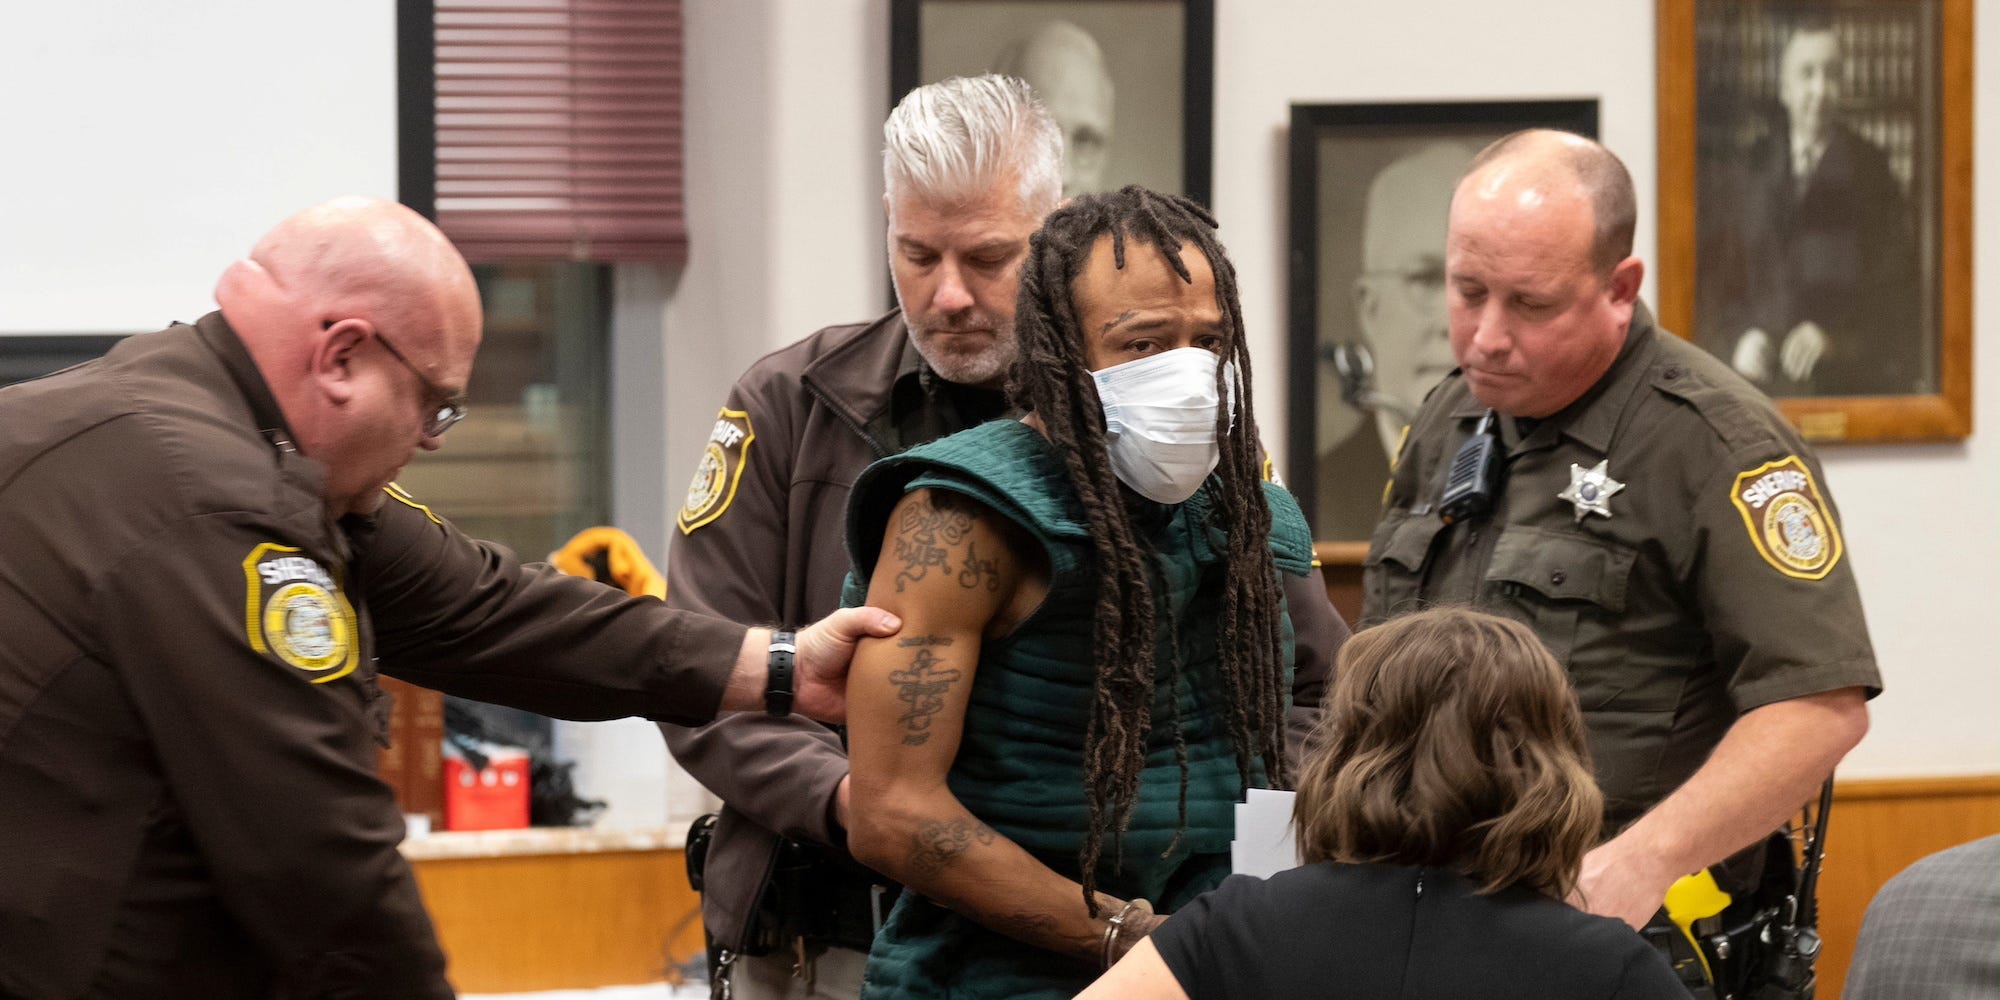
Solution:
(1815, 205)
(1130, 81)
(1370, 187)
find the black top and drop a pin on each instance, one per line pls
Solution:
(1369, 931)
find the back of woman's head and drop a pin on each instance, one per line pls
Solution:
(1451, 739)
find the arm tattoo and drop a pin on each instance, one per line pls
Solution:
(922, 533)
(977, 572)
(937, 844)
(922, 687)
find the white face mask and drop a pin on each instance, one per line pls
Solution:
(1159, 421)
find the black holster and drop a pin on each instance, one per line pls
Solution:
(818, 894)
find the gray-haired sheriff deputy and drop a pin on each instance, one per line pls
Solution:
(1644, 509)
(199, 567)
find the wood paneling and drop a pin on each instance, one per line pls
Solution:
(555, 921)
(1876, 829)
(1340, 565)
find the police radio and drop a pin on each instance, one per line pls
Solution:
(1474, 476)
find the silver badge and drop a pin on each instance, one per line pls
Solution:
(1590, 490)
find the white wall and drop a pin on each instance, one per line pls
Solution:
(149, 144)
(784, 125)
(787, 235)
(1920, 523)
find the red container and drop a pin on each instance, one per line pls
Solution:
(492, 799)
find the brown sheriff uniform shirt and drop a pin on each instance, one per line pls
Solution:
(761, 539)
(189, 715)
(1718, 582)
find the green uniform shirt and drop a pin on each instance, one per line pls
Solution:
(1717, 583)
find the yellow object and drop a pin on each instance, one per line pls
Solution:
(1691, 898)
(630, 570)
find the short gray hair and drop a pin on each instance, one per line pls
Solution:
(952, 140)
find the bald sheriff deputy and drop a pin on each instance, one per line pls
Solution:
(201, 560)
(1644, 509)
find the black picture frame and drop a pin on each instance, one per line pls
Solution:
(933, 39)
(1338, 155)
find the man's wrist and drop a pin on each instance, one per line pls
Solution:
(745, 691)
(1123, 929)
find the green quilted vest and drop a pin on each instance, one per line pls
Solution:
(1020, 762)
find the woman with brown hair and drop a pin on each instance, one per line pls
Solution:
(1443, 811)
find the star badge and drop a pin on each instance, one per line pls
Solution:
(1589, 490)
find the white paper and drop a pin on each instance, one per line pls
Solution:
(1264, 843)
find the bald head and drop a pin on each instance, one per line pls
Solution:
(1557, 162)
(354, 256)
(1540, 282)
(363, 320)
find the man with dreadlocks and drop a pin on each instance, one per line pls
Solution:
(970, 166)
(1096, 652)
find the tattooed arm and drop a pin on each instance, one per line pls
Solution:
(956, 573)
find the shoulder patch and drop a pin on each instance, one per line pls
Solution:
(402, 496)
(721, 469)
(296, 612)
(1787, 518)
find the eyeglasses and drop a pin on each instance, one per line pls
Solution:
(450, 410)
(1421, 288)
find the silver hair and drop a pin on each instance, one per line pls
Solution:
(952, 140)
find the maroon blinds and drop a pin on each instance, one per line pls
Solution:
(559, 129)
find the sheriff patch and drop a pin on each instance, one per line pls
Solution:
(1788, 519)
(296, 612)
(721, 469)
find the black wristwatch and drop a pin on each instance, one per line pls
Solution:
(778, 686)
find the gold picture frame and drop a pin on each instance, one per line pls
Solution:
(1905, 69)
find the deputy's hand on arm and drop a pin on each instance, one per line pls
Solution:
(819, 670)
(956, 575)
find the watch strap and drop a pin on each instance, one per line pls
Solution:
(778, 685)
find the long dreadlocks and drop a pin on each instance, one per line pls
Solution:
(1051, 378)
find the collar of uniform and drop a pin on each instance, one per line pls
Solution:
(1593, 418)
(925, 406)
(221, 338)
(858, 375)
(911, 372)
